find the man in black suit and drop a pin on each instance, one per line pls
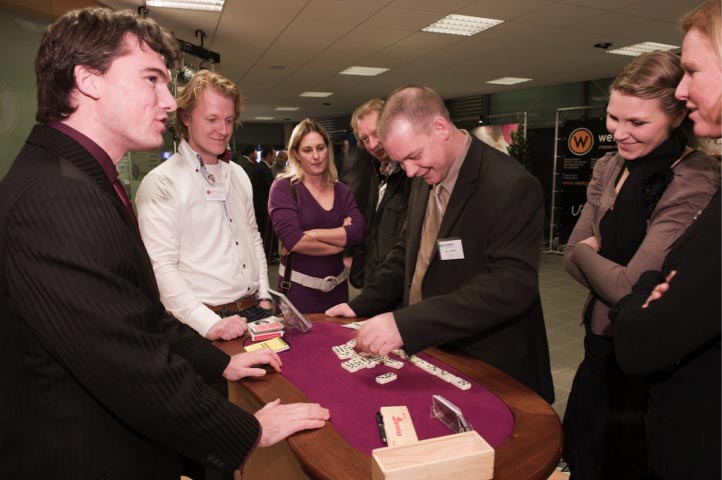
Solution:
(261, 180)
(388, 197)
(247, 160)
(467, 262)
(97, 381)
(356, 172)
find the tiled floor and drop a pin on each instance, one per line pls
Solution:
(562, 300)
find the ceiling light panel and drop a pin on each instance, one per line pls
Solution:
(264, 118)
(364, 71)
(205, 5)
(286, 109)
(640, 48)
(509, 80)
(461, 25)
(316, 94)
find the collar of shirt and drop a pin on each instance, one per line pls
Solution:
(388, 167)
(93, 148)
(449, 182)
(191, 157)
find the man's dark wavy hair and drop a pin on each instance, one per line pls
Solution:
(92, 37)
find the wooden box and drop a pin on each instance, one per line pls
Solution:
(460, 456)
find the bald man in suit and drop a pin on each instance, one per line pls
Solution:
(467, 262)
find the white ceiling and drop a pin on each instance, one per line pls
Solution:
(550, 41)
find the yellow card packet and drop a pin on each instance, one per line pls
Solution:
(276, 344)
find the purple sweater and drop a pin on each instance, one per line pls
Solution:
(291, 220)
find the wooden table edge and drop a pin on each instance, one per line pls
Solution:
(531, 452)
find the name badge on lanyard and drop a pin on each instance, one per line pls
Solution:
(215, 194)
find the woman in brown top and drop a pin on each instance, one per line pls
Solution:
(639, 201)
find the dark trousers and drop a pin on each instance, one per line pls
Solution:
(270, 241)
(604, 426)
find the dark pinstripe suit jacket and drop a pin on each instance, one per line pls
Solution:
(486, 304)
(95, 380)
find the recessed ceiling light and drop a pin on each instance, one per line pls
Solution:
(364, 71)
(509, 80)
(206, 5)
(264, 118)
(640, 48)
(286, 109)
(316, 94)
(461, 25)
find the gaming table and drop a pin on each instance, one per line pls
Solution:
(520, 425)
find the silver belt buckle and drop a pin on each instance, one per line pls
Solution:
(328, 284)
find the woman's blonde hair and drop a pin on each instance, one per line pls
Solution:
(295, 171)
(706, 19)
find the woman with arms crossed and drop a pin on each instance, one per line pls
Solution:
(315, 216)
(639, 202)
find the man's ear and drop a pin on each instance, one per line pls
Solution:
(440, 126)
(88, 82)
(185, 118)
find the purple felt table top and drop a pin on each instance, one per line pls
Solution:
(354, 398)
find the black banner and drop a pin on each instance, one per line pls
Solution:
(581, 143)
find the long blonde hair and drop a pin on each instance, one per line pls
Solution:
(295, 171)
(706, 19)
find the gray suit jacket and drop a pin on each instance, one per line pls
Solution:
(486, 304)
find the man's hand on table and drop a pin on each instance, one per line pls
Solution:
(240, 364)
(227, 328)
(340, 310)
(379, 335)
(279, 421)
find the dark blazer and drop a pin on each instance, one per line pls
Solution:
(247, 164)
(97, 382)
(356, 171)
(261, 179)
(675, 343)
(383, 225)
(486, 304)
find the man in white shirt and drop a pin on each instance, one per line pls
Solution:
(196, 217)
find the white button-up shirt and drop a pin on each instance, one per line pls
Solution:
(203, 249)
